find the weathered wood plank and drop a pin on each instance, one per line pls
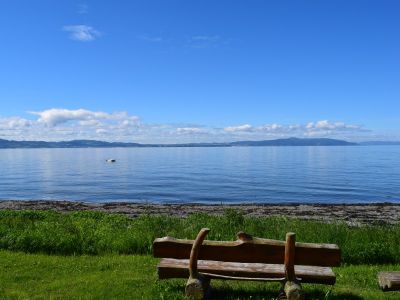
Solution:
(254, 250)
(178, 268)
(389, 281)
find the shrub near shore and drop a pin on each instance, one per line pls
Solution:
(95, 233)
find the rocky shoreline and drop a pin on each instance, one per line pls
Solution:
(350, 213)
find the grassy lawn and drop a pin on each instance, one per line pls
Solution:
(39, 276)
(93, 255)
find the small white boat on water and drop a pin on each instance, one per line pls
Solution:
(111, 160)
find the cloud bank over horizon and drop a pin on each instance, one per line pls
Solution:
(58, 124)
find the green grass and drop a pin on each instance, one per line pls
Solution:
(38, 276)
(88, 255)
(95, 233)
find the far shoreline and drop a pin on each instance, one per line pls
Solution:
(353, 214)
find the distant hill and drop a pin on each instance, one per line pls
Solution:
(101, 144)
(380, 143)
(65, 144)
(295, 142)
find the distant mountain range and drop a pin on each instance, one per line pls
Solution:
(380, 143)
(65, 144)
(101, 144)
(295, 142)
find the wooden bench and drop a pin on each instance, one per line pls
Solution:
(247, 258)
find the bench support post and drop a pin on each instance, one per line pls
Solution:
(197, 284)
(291, 287)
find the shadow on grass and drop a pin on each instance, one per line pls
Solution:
(318, 294)
(342, 296)
(225, 293)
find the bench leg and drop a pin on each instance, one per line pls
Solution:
(293, 290)
(292, 287)
(197, 288)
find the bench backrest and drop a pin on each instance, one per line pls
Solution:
(252, 250)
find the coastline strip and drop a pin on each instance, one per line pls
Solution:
(385, 213)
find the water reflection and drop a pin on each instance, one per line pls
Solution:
(237, 174)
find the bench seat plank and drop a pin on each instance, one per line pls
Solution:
(255, 251)
(389, 281)
(178, 268)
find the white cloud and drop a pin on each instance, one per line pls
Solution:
(190, 130)
(14, 123)
(271, 127)
(82, 33)
(326, 125)
(56, 116)
(310, 125)
(294, 127)
(129, 121)
(57, 124)
(89, 123)
(322, 128)
(101, 131)
(239, 128)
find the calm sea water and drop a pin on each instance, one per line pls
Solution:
(204, 175)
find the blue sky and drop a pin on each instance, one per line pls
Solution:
(184, 71)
